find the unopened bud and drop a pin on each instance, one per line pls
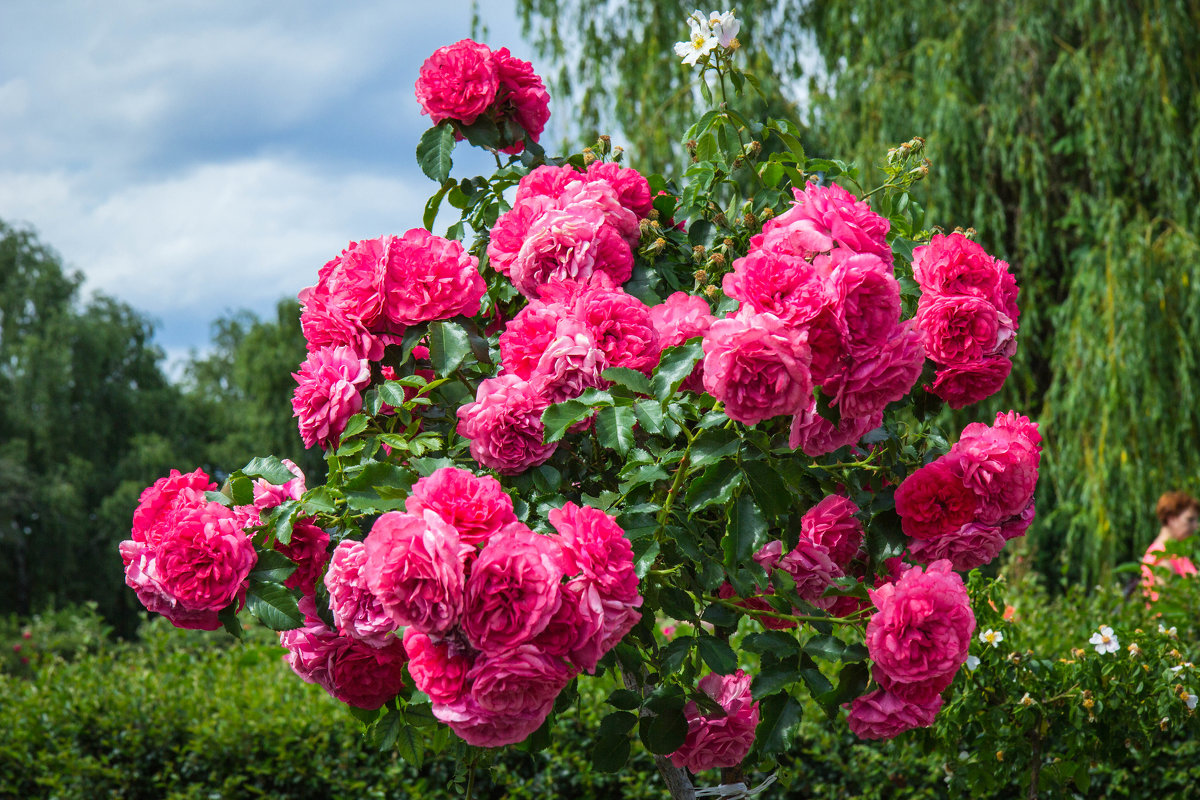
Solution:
(589, 155)
(720, 219)
(653, 214)
(604, 144)
(698, 252)
(711, 291)
(644, 228)
(766, 214)
(738, 161)
(999, 755)
(617, 154)
(717, 260)
(656, 246)
(749, 219)
(700, 275)
(753, 149)
(727, 242)
(691, 146)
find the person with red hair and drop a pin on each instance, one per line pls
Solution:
(1179, 514)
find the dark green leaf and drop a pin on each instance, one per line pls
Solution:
(776, 732)
(483, 132)
(852, 681)
(829, 648)
(629, 378)
(674, 366)
(665, 732)
(387, 729)
(274, 606)
(770, 492)
(644, 558)
(448, 346)
(241, 490)
(270, 469)
(675, 653)
(720, 615)
(885, 538)
(433, 153)
(649, 415)
(272, 567)
(677, 603)
(715, 486)
(319, 501)
(618, 723)
(410, 745)
(624, 700)
(714, 444)
(556, 419)
(610, 755)
(818, 684)
(434, 204)
(614, 428)
(774, 677)
(229, 620)
(777, 642)
(717, 654)
(392, 393)
(746, 532)
(364, 715)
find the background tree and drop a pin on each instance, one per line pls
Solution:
(1067, 133)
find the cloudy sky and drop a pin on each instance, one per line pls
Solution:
(192, 158)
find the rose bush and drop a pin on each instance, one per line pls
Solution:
(694, 403)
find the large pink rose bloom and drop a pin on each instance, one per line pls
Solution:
(954, 265)
(1000, 465)
(885, 376)
(631, 188)
(351, 284)
(522, 97)
(327, 325)
(815, 436)
(519, 681)
(205, 557)
(479, 727)
(680, 317)
(511, 228)
(971, 546)
(309, 551)
(757, 366)
(575, 244)
(513, 589)
(528, 334)
(831, 523)
(430, 278)
(822, 218)
(141, 575)
(415, 568)
(716, 741)
(813, 570)
(923, 625)
(504, 425)
(351, 671)
(546, 181)
(356, 612)
(328, 393)
(603, 620)
(571, 363)
(883, 715)
(961, 385)
(438, 668)
(158, 502)
(458, 81)
(475, 505)
(777, 283)
(621, 326)
(957, 329)
(594, 545)
(867, 296)
(934, 501)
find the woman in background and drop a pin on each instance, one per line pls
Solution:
(1179, 514)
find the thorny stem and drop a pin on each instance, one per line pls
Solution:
(850, 619)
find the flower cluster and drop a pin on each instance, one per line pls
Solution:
(188, 557)
(363, 301)
(967, 316)
(917, 639)
(965, 505)
(308, 546)
(499, 619)
(719, 739)
(820, 308)
(467, 80)
(706, 33)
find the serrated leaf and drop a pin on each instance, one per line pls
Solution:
(392, 393)
(625, 700)
(776, 733)
(649, 415)
(433, 153)
(829, 648)
(434, 204)
(483, 132)
(885, 539)
(229, 620)
(319, 501)
(714, 444)
(274, 606)
(675, 653)
(717, 654)
(387, 729)
(611, 755)
(720, 616)
(614, 428)
(241, 490)
(776, 642)
(644, 560)
(272, 567)
(773, 678)
(410, 745)
(674, 366)
(677, 603)
(449, 344)
(354, 426)
(715, 486)
(665, 732)
(218, 497)
(556, 419)
(631, 379)
(364, 715)
(618, 723)
(746, 532)
(770, 492)
(270, 469)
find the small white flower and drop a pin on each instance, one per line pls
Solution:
(700, 40)
(972, 663)
(1168, 631)
(1175, 670)
(1104, 640)
(725, 27)
(1134, 650)
(994, 638)
(1189, 698)
(1026, 700)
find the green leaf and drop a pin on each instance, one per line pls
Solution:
(715, 486)
(433, 153)
(556, 419)
(272, 567)
(270, 469)
(364, 715)
(410, 745)
(610, 755)
(675, 653)
(770, 492)
(773, 678)
(229, 620)
(218, 497)
(355, 425)
(434, 204)
(852, 681)
(817, 683)
(829, 648)
(720, 616)
(392, 393)
(885, 539)
(319, 501)
(274, 606)
(777, 642)
(677, 603)
(483, 132)
(241, 489)
(644, 560)
(625, 700)
(614, 428)
(619, 723)
(649, 415)
(776, 732)
(713, 445)
(631, 379)
(448, 346)
(387, 729)
(665, 732)
(746, 532)
(717, 654)
(674, 366)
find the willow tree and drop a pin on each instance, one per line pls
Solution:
(1067, 133)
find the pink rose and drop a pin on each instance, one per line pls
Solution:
(269, 495)
(604, 620)
(621, 327)
(570, 364)
(438, 668)
(158, 502)
(522, 98)
(867, 296)
(504, 425)
(511, 228)
(831, 524)
(415, 568)
(308, 550)
(883, 377)
(458, 81)
(600, 195)
(719, 740)
(328, 388)
(631, 188)
(923, 625)
(955, 265)
(824, 217)
(934, 501)
(546, 181)
(961, 385)
(513, 589)
(1016, 526)
(827, 341)
(958, 329)
(816, 436)
(475, 505)
(575, 244)
(777, 283)
(203, 560)
(1000, 465)
(972, 545)
(521, 681)
(352, 283)
(328, 325)
(757, 366)
(356, 612)
(479, 727)
(594, 546)
(882, 715)
(813, 570)
(681, 317)
(430, 278)
(141, 575)
(528, 334)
